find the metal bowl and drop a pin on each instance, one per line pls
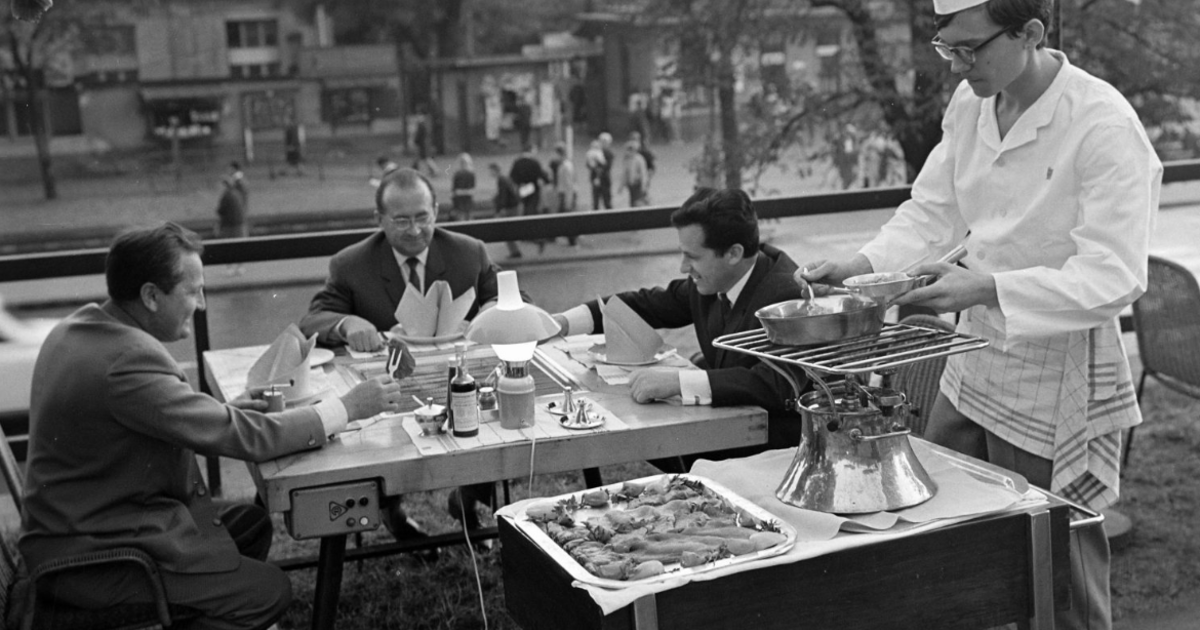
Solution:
(883, 285)
(820, 320)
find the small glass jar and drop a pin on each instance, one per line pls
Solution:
(489, 409)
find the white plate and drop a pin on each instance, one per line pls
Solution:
(597, 352)
(319, 356)
(576, 571)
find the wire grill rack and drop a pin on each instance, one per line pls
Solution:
(894, 346)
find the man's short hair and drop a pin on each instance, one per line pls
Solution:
(727, 217)
(404, 179)
(144, 255)
(1011, 15)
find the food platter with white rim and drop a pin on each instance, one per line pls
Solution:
(672, 571)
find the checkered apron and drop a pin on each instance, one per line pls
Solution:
(1065, 397)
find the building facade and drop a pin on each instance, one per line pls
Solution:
(215, 71)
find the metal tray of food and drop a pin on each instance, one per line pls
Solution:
(680, 525)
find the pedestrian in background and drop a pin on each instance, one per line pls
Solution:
(610, 160)
(507, 202)
(462, 185)
(597, 166)
(386, 165)
(634, 175)
(648, 157)
(421, 141)
(563, 174)
(233, 204)
(293, 145)
(529, 175)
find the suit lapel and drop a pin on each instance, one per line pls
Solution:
(739, 309)
(435, 262)
(389, 271)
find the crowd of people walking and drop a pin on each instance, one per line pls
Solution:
(531, 187)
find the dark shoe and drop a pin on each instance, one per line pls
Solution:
(404, 528)
(457, 504)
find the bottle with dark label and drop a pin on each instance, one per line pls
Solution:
(451, 372)
(464, 407)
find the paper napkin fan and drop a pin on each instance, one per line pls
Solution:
(435, 314)
(286, 363)
(627, 337)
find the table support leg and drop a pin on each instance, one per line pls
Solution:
(329, 582)
(591, 478)
(645, 613)
(1041, 568)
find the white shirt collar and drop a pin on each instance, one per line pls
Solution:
(737, 287)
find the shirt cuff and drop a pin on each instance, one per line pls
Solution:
(579, 320)
(333, 415)
(694, 387)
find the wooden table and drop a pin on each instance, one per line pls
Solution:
(350, 475)
(986, 572)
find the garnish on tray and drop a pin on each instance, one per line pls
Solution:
(647, 529)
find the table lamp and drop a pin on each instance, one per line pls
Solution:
(513, 329)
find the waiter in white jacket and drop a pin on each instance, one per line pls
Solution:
(1046, 175)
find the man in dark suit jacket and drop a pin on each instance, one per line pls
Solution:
(367, 280)
(114, 431)
(723, 260)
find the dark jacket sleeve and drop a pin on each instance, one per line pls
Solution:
(661, 307)
(331, 304)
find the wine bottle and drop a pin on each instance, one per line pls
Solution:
(451, 372)
(463, 404)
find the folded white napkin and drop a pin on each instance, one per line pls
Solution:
(627, 337)
(436, 313)
(286, 364)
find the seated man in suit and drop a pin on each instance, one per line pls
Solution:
(103, 377)
(724, 262)
(367, 279)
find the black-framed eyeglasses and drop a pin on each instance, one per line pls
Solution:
(407, 223)
(965, 54)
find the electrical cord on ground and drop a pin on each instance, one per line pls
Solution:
(474, 561)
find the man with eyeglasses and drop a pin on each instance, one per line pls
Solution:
(1045, 173)
(367, 279)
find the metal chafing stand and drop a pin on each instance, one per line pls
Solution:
(854, 456)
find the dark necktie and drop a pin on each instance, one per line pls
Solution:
(725, 308)
(413, 278)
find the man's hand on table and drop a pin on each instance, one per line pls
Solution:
(361, 334)
(654, 384)
(247, 403)
(372, 397)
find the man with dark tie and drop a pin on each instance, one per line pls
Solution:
(730, 275)
(367, 279)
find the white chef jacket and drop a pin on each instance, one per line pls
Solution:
(1060, 211)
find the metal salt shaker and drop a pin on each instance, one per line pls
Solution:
(568, 404)
(274, 399)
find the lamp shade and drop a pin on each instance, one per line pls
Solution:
(511, 321)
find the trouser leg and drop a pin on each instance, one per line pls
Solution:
(253, 595)
(1091, 597)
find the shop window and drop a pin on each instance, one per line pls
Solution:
(62, 107)
(252, 33)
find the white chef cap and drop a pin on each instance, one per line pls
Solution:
(946, 7)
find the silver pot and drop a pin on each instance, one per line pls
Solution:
(819, 320)
(854, 459)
